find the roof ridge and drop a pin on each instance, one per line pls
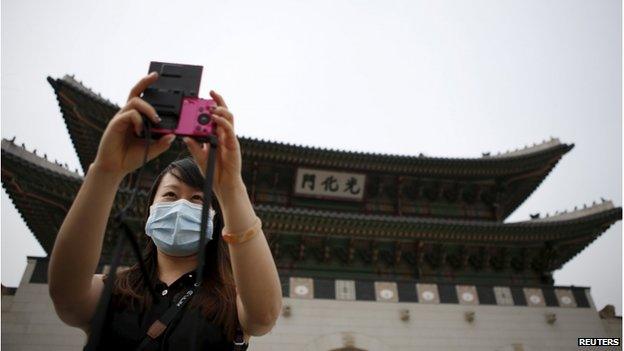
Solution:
(8, 145)
(577, 212)
(553, 142)
(79, 85)
(414, 219)
(544, 145)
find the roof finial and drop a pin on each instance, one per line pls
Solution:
(603, 200)
(12, 140)
(45, 156)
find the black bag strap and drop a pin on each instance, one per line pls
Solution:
(160, 325)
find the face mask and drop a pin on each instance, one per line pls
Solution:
(174, 227)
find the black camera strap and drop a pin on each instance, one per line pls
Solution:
(208, 178)
(97, 322)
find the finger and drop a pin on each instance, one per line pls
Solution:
(196, 149)
(130, 118)
(223, 126)
(144, 107)
(160, 146)
(222, 137)
(223, 112)
(218, 98)
(143, 84)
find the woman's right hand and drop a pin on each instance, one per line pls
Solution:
(121, 150)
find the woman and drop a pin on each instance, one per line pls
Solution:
(240, 284)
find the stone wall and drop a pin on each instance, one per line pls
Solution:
(323, 325)
(29, 322)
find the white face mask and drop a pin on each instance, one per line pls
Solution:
(174, 227)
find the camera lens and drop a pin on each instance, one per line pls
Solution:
(203, 118)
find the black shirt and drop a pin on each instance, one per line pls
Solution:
(125, 329)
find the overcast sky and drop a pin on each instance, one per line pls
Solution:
(445, 78)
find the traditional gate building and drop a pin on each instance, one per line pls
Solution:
(375, 252)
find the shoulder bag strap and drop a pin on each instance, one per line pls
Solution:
(160, 325)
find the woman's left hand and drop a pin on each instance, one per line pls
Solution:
(227, 176)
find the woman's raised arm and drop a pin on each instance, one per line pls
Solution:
(259, 292)
(74, 288)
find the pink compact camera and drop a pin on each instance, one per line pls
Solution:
(174, 96)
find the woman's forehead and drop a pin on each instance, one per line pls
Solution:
(171, 181)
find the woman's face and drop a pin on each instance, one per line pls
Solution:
(172, 189)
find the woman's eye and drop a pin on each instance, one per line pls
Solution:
(169, 194)
(198, 197)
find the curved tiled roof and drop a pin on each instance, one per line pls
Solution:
(488, 166)
(87, 122)
(45, 216)
(55, 168)
(508, 163)
(86, 114)
(447, 229)
(43, 191)
(569, 236)
(79, 86)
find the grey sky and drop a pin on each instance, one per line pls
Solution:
(445, 78)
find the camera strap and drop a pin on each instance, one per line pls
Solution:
(239, 343)
(97, 322)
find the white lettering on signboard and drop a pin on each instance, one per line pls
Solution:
(326, 183)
